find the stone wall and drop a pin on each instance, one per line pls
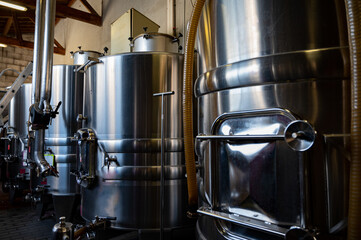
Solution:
(15, 58)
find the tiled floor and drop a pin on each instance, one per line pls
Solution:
(21, 221)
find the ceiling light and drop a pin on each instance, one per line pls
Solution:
(3, 45)
(14, 6)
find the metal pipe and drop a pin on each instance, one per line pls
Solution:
(162, 162)
(174, 18)
(38, 43)
(46, 77)
(42, 72)
(39, 152)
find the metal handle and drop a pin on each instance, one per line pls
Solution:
(89, 61)
(299, 135)
(245, 138)
(247, 222)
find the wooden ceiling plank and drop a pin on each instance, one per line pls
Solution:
(26, 44)
(7, 26)
(89, 7)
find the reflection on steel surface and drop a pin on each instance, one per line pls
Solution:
(120, 108)
(67, 87)
(260, 55)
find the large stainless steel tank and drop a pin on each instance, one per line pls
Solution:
(120, 109)
(14, 146)
(67, 87)
(19, 111)
(264, 64)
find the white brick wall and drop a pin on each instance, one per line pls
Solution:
(15, 58)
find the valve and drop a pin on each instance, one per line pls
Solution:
(40, 119)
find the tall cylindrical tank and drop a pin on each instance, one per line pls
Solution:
(15, 143)
(263, 65)
(125, 118)
(19, 111)
(67, 87)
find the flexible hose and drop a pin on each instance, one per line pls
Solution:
(354, 31)
(188, 107)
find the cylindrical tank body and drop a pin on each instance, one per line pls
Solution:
(126, 118)
(157, 42)
(19, 111)
(15, 145)
(264, 64)
(67, 87)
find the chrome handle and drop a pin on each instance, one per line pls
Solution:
(299, 136)
(244, 221)
(89, 61)
(246, 138)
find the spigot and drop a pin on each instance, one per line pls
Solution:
(109, 159)
(80, 118)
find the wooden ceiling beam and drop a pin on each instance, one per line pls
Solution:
(8, 26)
(26, 44)
(8, 13)
(57, 44)
(17, 28)
(89, 7)
(67, 12)
(70, 3)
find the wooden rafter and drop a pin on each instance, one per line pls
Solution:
(15, 18)
(8, 26)
(67, 12)
(69, 5)
(26, 44)
(57, 44)
(17, 28)
(89, 7)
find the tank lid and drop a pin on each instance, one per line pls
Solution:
(155, 34)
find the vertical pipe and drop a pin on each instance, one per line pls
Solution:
(38, 43)
(353, 10)
(162, 173)
(188, 109)
(43, 64)
(38, 156)
(171, 15)
(174, 18)
(46, 77)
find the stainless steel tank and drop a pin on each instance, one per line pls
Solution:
(81, 57)
(19, 111)
(14, 145)
(157, 42)
(264, 64)
(123, 117)
(67, 87)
